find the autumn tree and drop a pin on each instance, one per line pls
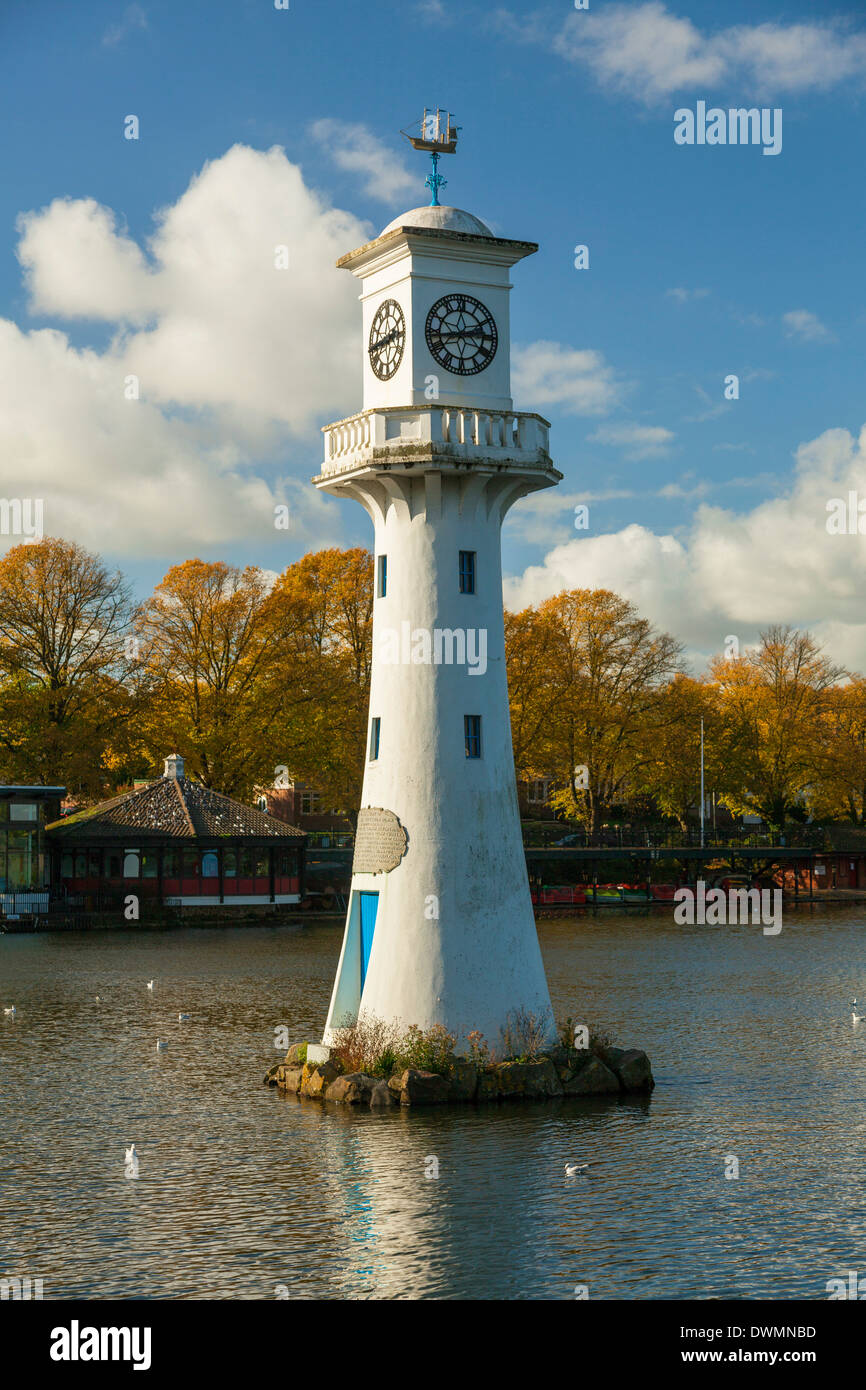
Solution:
(531, 688)
(68, 679)
(773, 700)
(603, 700)
(320, 615)
(841, 785)
(207, 646)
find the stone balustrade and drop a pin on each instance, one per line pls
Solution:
(450, 431)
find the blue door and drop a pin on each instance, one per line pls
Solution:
(369, 907)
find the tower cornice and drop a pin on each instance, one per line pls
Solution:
(394, 244)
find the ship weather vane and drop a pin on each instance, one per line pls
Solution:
(437, 136)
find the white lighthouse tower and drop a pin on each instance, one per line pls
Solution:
(440, 927)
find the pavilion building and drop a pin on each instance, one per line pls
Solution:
(178, 843)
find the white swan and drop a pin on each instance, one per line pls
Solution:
(131, 1155)
(11, 1011)
(857, 1018)
(161, 1046)
(150, 984)
(572, 1169)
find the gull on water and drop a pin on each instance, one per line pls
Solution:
(571, 1169)
(857, 1017)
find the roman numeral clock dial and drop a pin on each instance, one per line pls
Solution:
(461, 334)
(387, 339)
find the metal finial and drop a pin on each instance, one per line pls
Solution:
(434, 180)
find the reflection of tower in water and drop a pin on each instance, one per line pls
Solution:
(500, 1220)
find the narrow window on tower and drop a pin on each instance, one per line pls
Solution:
(467, 571)
(472, 735)
(382, 587)
(375, 725)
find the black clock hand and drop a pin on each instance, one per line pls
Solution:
(383, 342)
(465, 333)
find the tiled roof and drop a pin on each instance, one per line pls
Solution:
(177, 808)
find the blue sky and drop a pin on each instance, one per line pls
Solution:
(704, 261)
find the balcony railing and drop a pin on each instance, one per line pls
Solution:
(457, 432)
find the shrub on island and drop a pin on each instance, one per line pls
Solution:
(379, 1064)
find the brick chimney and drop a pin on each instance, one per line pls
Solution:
(174, 767)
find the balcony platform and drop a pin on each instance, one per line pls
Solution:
(418, 437)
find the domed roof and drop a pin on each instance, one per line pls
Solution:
(442, 219)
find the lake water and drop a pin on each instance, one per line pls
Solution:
(241, 1190)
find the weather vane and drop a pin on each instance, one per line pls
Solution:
(438, 136)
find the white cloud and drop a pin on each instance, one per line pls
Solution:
(133, 17)
(235, 359)
(577, 380)
(354, 148)
(102, 274)
(636, 441)
(736, 572)
(803, 324)
(647, 52)
(433, 12)
(226, 330)
(682, 296)
(543, 515)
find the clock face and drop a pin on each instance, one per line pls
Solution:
(461, 334)
(387, 339)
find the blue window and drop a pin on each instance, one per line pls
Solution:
(382, 587)
(375, 725)
(472, 735)
(467, 571)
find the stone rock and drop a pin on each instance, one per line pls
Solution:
(297, 1055)
(272, 1076)
(382, 1097)
(395, 1084)
(354, 1088)
(488, 1084)
(423, 1088)
(578, 1058)
(528, 1079)
(559, 1055)
(592, 1079)
(633, 1069)
(317, 1077)
(290, 1079)
(463, 1079)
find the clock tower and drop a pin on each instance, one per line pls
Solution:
(440, 927)
(435, 289)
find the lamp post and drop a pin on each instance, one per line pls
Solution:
(702, 784)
